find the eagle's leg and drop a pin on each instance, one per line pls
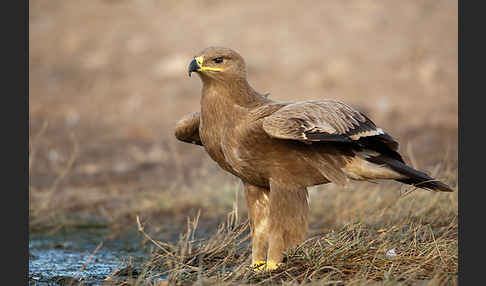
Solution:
(257, 201)
(288, 215)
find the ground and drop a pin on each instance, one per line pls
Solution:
(108, 80)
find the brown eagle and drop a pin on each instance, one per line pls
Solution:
(278, 149)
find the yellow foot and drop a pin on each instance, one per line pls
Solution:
(261, 265)
(272, 265)
(258, 265)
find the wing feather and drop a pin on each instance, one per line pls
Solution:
(187, 129)
(323, 120)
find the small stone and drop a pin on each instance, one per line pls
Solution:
(391, 253)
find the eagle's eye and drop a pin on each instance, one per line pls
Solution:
(218, 60)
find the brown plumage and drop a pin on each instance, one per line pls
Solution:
(278, 149)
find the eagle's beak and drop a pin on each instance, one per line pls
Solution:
(194, 66)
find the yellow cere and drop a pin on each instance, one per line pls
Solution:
(199, 61)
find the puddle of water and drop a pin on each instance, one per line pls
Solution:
(50, 263)
(67, 254)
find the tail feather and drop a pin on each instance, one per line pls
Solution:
(413, 177)
(430, 184)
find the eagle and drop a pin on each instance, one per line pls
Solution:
(278, 149)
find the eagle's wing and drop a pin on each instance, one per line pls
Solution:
(323, 120)
(187, 129)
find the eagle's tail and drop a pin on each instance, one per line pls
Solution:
(412, 176)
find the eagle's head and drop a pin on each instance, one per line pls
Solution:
(218, 63)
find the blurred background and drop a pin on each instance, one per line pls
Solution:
(108, 81)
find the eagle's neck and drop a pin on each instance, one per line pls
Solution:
(236, 92)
